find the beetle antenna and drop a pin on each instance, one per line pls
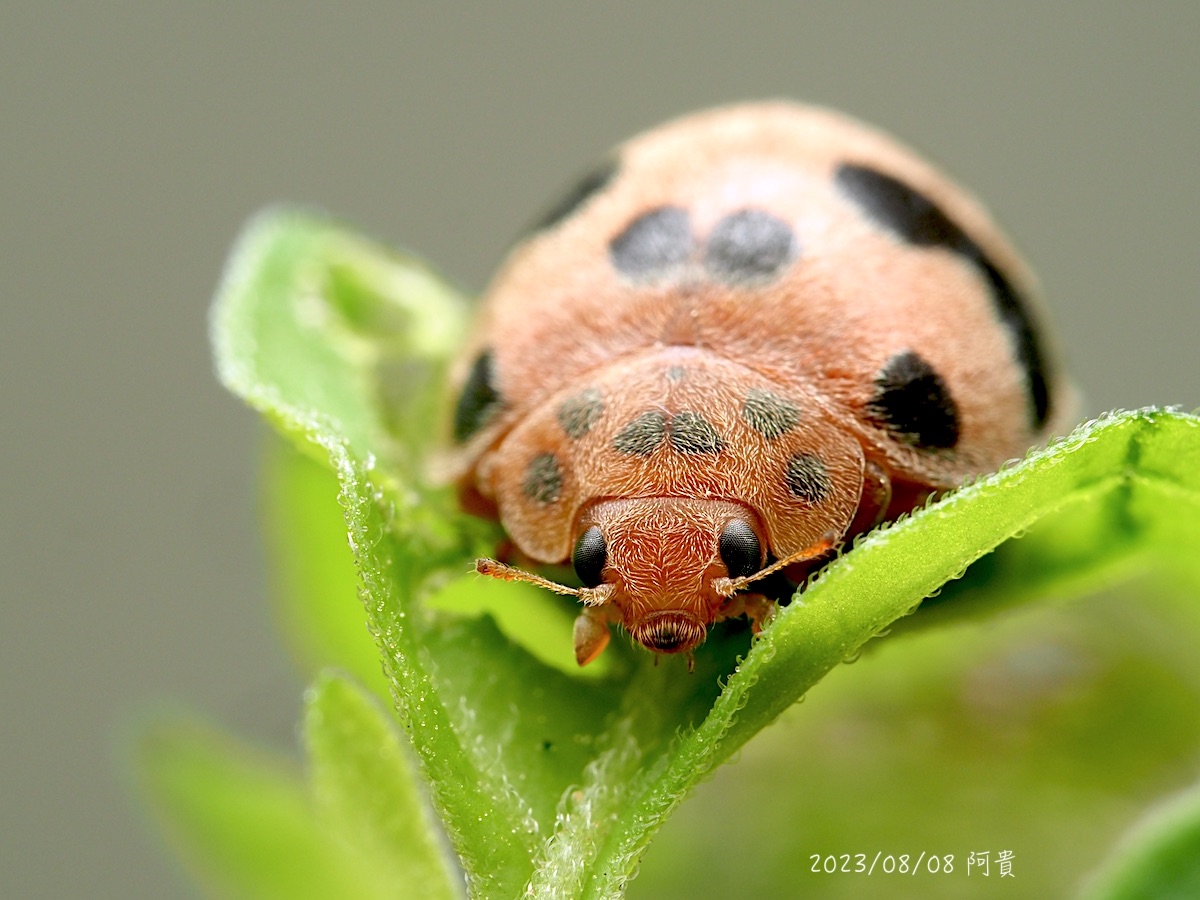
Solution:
(497, 569)
(589, 596)
(727, 587)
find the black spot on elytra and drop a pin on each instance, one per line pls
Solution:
(579, 413)
(912, 400)
(769, 414)
(807, 477)
(653, 244)
(899, 208)
(690, 432)
(749, 246)
(582, 191)
(911, 216)
(543, 479)
(479, 399)
(642, 436)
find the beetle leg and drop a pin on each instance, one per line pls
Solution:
(758, 608)
(760, 611)
(591, 634)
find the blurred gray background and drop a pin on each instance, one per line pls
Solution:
(135, 140)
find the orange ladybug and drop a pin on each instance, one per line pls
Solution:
(748, 336)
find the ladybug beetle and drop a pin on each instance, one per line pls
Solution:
(746, 337)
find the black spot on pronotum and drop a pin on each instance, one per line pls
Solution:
(590, 556)
(543, 479)
(807, 478)
(577, 414)
(479, 399)
(653, 244)
(642, 436)
(582, 191)
(749, 246)
(740, 549)
(690, 432)
(913, 402)
(911, 216)
(769, 414)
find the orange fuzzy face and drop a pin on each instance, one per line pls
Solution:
(752, 334)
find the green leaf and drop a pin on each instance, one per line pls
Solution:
(242, 821)
(365, 788)
(248, 825)
(1159, 857)
(550, 782)
(1094, 474)
(1040, 732)
(315, 584)
(349, 342)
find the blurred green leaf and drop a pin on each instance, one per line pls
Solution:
(314, 581)
(1159, 858)
(364, 786)
(242, 821)
(330, 336)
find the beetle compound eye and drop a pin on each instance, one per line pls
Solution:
(590, 556)
(740, 549)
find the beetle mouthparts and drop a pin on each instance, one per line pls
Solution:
(670, 632)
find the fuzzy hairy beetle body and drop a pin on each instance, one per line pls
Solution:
(746, 337)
